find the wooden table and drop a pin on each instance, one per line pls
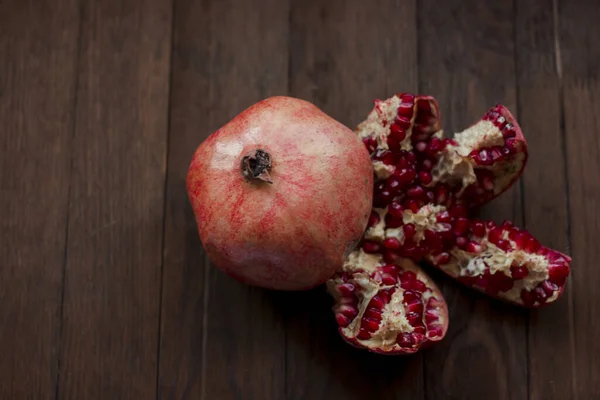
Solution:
(105, 291)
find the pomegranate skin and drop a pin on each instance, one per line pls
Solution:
(292, 229)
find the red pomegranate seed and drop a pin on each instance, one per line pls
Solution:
(385, 156)
(410, 296)
(393, 184)
(421, 146)
(370, 247)
(419, 329)
(442, 194)
(370, 324)
(374, 219)
(521, 240)
(495, 235)
(496, 153)
(342, 320)
(392, 222)
(434, 146)
(558, 274)
(409, 231)
(508, 130)
(430, 316)
(540, 295)
(426, 165)
(388, 279)
(528, 298)
(390, 269)
(418, 286)
(504, 245)
(413, 318)
(405, 110)
(413, 205)
(346, 289)
(391, 243)
(532, 245)
(549, 287)
(435, 332)
(363, 334)
(442, 259)
(433, 240)
(376, 302)
(473, 247)
(506, 224)
(406, 175)
(395, 209)
(370, 143)
(478, 228)
(373, 313)
(443, 216)
(511, 144)
(404, 340)
(484, 157)
(407, 277)
(395, 139)
(348, 310)
(461, 225)
(403, 122)
(490, 224)
(416, 192)
(425, 177)
(519, 271)
(461, 241)
(458, 211)
(416, 306)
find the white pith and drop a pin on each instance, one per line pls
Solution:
(393, 319)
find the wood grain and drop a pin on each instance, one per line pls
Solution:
(112, 288)
(466, 60)
(579, 40)
(344, 54)
(38, 50)
(220, 339)
(544, 189)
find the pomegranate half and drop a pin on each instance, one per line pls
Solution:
(281, 194)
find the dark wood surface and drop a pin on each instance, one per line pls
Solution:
(105, 291)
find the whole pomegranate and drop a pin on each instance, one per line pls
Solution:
(281, 194)
(425, 188)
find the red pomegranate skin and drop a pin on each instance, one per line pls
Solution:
(293, 233)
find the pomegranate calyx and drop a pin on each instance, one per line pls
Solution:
(256, 166)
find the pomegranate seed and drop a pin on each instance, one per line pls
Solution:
(433, 240)
(435, 332)
(506, 224)
(363, 334)
(473, 247)
(395, 209)
(374, 219)
(370, 143)
(511, 144)
(549, 287)
(435, 145)
(409, 231)
(521, 240)
(392, 222)
(442, 194)
(385, 156)
(395, 139)
(558, 274)
(373, 313)
(495, 153)
(410, 297)
(504, 245)
(407, 98)
(540, 295)
(416, 192)
(419, 286)
(413, 318)
(458, 211)
(461, 225)
(342, 320)
(390, 256)
(393, 184)
(403, 122)
(369, 324)
(519, 271)
(420, 329)
(416, 306)
(404, 340)
(390, 269)
(490, 224)
(505, 151)
(405, 110)
(484, 157)
(413, 205)
(461, 241)
(407, 277)
(495, 235)
(426, 165)
(406, 175)
(346, 289)
(425, 177)
(442, 259)
(532, 245)
(430, 316)
(421, 146)
(478, 228)
(391, 243)
(377, 302)
(528, 298)
(348, 310)
(411, 157)
(444, 216)
(382, 198)
(370, 247)
(388, 279)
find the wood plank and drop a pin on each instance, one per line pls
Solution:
(544, 190)
(466, 60)
(579, 41)
(38, 49)
(220, 339)
(112, 289)
(345, 54)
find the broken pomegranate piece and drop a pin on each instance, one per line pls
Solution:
(387, 308)
(412, 159)
(425, 187)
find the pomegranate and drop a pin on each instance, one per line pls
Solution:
(281, 194)
(426, 186)
(387, 308)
